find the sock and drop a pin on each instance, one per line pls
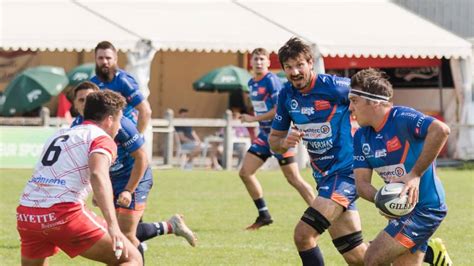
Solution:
(429, 256)
(140, 248)
(146, 231)
(312, 257)
(261, 207)
(164, 228)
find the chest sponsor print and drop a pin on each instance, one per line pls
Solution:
(313, 131)
(391, 171)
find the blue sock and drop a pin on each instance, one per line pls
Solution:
(261, 207)
(429, 256)
(146, 231)
(312, 257)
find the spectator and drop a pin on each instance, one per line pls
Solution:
(189, 139)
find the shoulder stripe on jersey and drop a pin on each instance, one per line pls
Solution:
(104, 152)
(104, 144)
(332, 113)
(405, 151)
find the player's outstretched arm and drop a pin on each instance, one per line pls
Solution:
(102, 187)
(363, 180)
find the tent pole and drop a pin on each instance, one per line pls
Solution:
(440, 86)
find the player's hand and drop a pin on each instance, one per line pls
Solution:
(293, 138)
(118, 242)
(247, 118)
(412, 187)
(125, 198)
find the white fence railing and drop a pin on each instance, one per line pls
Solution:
(166, 126)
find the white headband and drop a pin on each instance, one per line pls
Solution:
(369, 96)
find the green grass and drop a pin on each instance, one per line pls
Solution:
(217, 206)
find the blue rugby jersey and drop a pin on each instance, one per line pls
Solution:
(323, 115)
(128, 140)
(126, 85)
(264, 94)
(393, 149)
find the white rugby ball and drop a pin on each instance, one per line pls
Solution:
(389, 202)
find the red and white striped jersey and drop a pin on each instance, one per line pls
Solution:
(62, 173)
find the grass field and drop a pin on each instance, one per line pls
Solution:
(217, 207)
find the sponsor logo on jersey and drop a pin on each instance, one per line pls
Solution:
(307, 110)
(327, 157)
(254, 93)
(343, 82)
(262, 90)
(419, 123)
(408, 114)
(294, 104)
(314, 131)
(380, 153)
(366, 149)
(132, 140)
(319, 147)
(321, 105)
(393, 144)
(41, 180)
(391, 171)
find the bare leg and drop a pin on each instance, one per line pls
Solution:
(384, 249)
(247, 173)
(293, 177)
(102, 251)
(348, 223)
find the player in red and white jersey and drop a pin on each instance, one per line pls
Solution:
(74, 162)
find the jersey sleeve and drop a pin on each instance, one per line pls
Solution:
(359, 159)
(130, 90)
(274, 86)
(105, 145)
(416, 123)
(129, 138)
(282, 118)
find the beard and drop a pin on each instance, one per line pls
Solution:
(104, 73)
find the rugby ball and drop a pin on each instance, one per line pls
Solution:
(389, 202)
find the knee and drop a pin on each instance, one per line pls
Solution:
(302, 239)
(292, 179)
(244, 173)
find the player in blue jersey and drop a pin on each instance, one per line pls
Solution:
(109, 76)
(400, 144)
(318, 106)
(264, 88)
(132, 180)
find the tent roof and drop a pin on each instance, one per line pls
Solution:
(340, 28)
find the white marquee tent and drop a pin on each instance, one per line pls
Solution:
(352, 28)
